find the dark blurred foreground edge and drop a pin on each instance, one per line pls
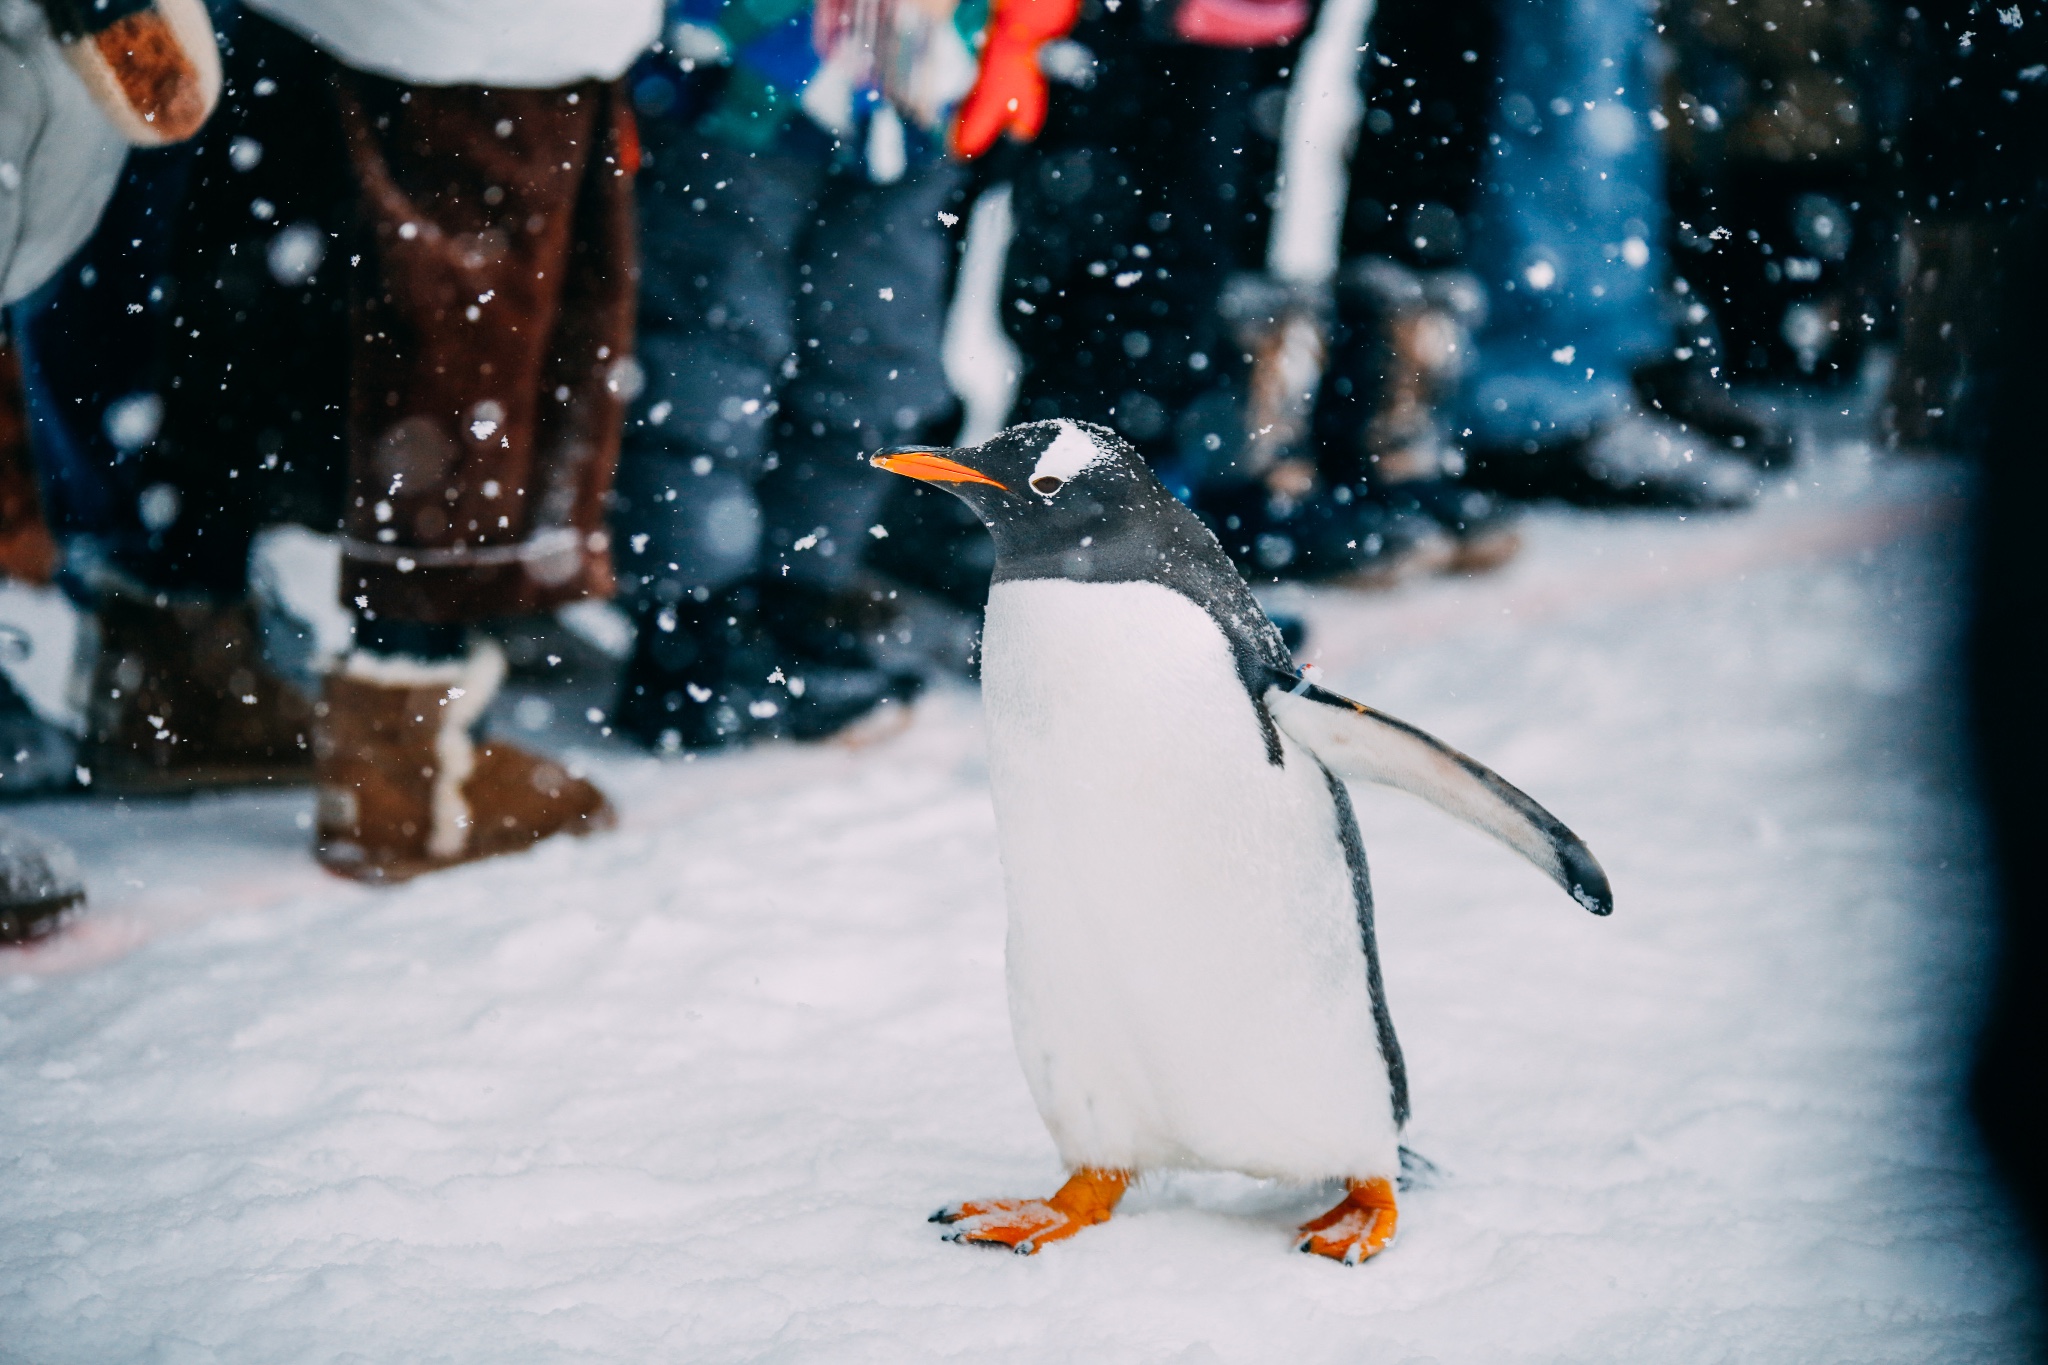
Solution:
(2010, 682)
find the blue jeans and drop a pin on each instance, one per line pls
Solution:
(1569, 236)
(789, 323)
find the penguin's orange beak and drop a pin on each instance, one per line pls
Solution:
(929, 465)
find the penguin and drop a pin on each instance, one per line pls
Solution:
(1193, 977)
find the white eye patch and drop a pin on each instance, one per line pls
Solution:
(1072, 451)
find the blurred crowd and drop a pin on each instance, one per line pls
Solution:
(525, 305)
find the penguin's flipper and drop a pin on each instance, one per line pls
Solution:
(1360, 744)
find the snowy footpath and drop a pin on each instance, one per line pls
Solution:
(688, 1091)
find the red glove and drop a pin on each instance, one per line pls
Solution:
(1009, 96)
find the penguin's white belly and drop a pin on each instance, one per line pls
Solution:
(1187, 983)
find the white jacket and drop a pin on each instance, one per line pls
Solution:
(524, 44)
(59, 157)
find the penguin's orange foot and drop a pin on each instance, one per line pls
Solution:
(1361, 1225)
(1025, 1225)
(1022, 1225)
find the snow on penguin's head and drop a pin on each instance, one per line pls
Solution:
(1057, 487)
(1073, 452)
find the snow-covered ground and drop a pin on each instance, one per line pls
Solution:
(686, 1092)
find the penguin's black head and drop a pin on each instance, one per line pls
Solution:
(1071, 500)
(1064, 491)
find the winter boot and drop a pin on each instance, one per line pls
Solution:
(1687, 391)
(1424, 343)
(754, 662)
(182, 699)
(1325, 534)
(39, 883)
(35, 756)
(1411, 462)
(1285, 330)
(406, 788)
(1481, 526)
(1633, 459)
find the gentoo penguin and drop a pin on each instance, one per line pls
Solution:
(1192, 972)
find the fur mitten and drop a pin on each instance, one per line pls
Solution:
(151, 65)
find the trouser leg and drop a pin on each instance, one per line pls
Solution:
(775, 362)
(490, 346)
(1568, 234)
(28, 552)
(1140, 199)
(717, 334)
(489, 378)
(235, 254)
(869, 368)
(1427, 84)
(252, 434)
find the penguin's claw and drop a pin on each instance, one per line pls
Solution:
(1360, 1226)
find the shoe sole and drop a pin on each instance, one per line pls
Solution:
(602, 820)
(1432, 556)
(189, 781)
(1485, 553)
(885, 722)
(38, 919)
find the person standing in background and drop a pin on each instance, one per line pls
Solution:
(75, 81)
(1569, 239)
(1404, 307)
(794, 216)
(1133, 288)
(492, 151)
(167, 441)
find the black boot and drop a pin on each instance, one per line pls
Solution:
(39, 884)
(719, 673)
(1328, 534)
(35, 756)
(1481, 526)
(1634, 459)
(1685, 391)
(935, 544)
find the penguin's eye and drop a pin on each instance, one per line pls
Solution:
(1048, 484)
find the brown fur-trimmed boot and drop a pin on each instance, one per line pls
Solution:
(406, 788)
(182, 700)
